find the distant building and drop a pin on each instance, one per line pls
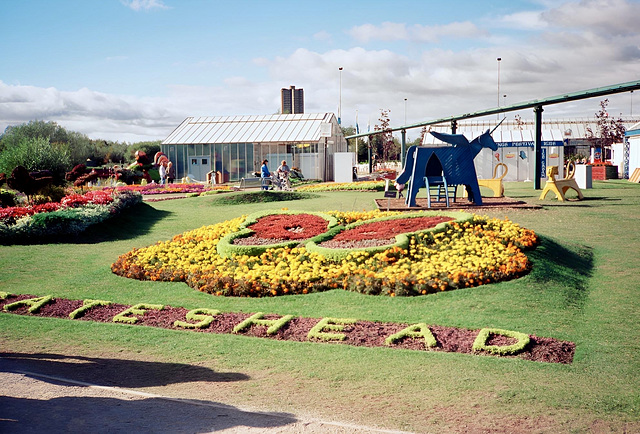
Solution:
(561, 138)
(633, 148)
(292, 101)
(236, 145)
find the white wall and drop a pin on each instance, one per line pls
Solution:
(343, 164)
(634, 153)
(518, 169)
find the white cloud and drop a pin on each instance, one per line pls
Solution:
(388, 31)
(385, 32)
(96, 114)
(323, 36)
(528, 20)
(606, 17)
(557, 57)
(146, 5)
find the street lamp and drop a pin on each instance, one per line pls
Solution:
(499, 59)
(340, 98)
(405, 111)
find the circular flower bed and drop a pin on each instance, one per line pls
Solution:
(270, 230)
(456, 254)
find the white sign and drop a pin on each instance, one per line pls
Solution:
(325, 130)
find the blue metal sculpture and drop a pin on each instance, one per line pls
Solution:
(455, 163)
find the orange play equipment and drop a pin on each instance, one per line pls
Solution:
(560, 186)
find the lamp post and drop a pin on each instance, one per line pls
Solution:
(340, 98)
(499, 59)
(403, 142)
(405, 111)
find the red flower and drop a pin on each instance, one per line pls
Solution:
(387, 229)
(289, 226)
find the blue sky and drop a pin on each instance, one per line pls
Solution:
(132, 70)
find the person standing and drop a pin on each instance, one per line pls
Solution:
(171, 172)
(265, 175)
(163, 173)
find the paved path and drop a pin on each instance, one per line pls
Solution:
(32, 401)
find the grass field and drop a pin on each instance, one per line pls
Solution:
(583, 288)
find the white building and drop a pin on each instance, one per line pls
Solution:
(236, 145)
(633, 137)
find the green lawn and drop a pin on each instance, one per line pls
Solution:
(583, 288)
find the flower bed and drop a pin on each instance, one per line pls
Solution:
(151, 189)
(383, 230)
(348, 331)
(262, 231)
(284, 227)
(459, 254)
(72, 215)
(344, 186)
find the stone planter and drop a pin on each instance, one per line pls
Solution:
(601, 173)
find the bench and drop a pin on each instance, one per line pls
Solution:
(253, 183)
(495, 183)
(560, 186)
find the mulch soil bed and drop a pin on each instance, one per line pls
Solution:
(461, 203)
(362, 333)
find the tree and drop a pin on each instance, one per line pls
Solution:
(420, 139)
(78, 145)
(609, 130)
(33, 129)
(37, 154)
(385, 138)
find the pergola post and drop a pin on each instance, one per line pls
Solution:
(369, 154)
(538, 147)
(403, 147)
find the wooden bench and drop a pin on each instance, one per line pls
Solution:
(253, 183)
(560, 186)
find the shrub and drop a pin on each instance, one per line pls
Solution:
(55, 219)
(480, 343)
(7, 198)
(36, 154)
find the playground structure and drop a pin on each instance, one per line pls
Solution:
(495, 183)
(537, 105)
(560, 186)
(444, 167)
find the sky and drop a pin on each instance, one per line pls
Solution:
(133, 70)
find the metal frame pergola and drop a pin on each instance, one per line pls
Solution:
(538, 108)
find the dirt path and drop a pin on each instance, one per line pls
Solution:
(37, 395)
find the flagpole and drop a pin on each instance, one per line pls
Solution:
(357, 132)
